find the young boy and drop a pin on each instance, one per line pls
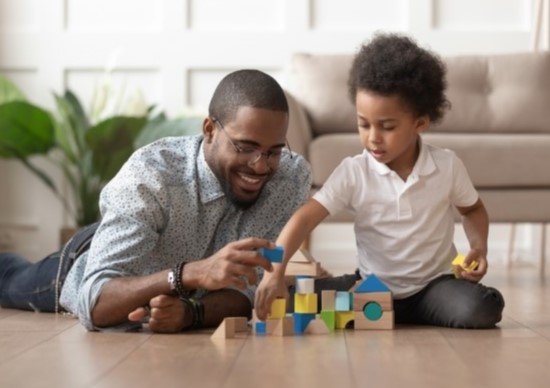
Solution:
(402, 192)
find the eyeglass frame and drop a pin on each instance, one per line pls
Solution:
(252, 161)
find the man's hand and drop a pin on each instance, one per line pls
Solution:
(233, 265)
(167, 314)
(272, 286)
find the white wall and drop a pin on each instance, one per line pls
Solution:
(175, 52)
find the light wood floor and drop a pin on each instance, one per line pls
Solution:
(44, 350)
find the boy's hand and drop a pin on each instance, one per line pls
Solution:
(476, 274)
(272, 286)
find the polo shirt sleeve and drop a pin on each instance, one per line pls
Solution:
(463, 193)
(337, 190)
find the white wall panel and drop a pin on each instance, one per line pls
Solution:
(176, 51)
(487, 15)
(359, 15)
(19, 16)
(109, 15)
(237, 15)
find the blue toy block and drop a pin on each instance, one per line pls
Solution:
(274, 255)
(301, 320)
(261, 328)
(343, 301)
(372, 284)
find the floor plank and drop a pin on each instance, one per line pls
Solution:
(45, 350)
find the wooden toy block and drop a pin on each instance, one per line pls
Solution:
(278, 308)
(270, 325)
(372, 311)
(230, 326)
(458, 263)
(302, 263)
(317, 326)
(301, 321)
(384, 299)
(343, 301)
(329, 317)
(328, 300)
(343, 318)
(305, 285)
(372, 284)
(386, 321)
(260, 328)
(285, 327)
(275, 255)
(305, 303)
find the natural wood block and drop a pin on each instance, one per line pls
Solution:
(317, 326)
(328, 298)
(384, 299)
(285, 327)
(386, 322)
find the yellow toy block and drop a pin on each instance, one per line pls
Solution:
(305, 303)
(278, 308)
(342, 318)
(458, 262)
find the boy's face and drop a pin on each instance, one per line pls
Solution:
(389, 130)
(228, 147)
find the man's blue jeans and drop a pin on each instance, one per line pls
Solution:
(26, 285)
(446, 301)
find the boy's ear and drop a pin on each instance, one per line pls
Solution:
(422, 123)
(208, 128)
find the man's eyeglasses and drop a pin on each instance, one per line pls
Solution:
(250, 155)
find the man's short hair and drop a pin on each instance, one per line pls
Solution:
(248, 87)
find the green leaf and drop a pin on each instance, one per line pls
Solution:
(9, 91)
(25, 130)
(160, 127)
(111, 143)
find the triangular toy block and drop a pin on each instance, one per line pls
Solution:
(317, 326)
(301, 321)
(329, 317)
(230, 326)
(372, 284)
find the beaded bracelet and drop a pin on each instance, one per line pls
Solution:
(197, 312)
(180, 289)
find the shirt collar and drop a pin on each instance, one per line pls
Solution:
(209, 186)
(424, 165)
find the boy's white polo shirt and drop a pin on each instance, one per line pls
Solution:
(404, 230)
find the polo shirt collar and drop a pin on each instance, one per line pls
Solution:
(424, 165)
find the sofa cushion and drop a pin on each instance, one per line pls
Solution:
(505, 161)
(498, 93)
(319, 84)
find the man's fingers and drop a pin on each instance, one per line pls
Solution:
(252, 243)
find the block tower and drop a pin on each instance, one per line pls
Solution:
(372, 305)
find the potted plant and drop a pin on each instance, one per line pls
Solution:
(88, 154)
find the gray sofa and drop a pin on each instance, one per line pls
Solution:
(499, 125)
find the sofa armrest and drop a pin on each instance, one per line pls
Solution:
(299, 133)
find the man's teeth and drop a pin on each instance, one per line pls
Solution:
(248, 179)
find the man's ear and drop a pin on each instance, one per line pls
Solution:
(422, 123)
(208, 128)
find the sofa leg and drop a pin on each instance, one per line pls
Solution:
(542, 248)
(511, 243)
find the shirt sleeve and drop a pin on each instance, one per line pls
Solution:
(337, 190)
(464, 193)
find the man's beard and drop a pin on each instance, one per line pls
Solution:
(236, 201)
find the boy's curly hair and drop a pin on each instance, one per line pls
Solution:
(393, 64)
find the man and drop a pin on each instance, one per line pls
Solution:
(181, 223)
